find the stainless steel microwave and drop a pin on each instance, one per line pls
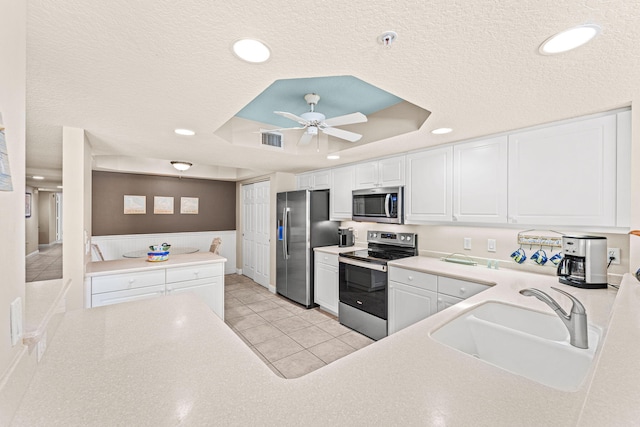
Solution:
(383, 205)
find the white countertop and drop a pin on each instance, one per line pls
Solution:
(99, 268)
(169, 360)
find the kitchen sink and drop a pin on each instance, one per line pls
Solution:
(525, 342)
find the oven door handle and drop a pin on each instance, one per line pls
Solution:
(363, 264)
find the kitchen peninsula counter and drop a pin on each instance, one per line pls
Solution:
(170, 361)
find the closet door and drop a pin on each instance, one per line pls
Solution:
(255, 232)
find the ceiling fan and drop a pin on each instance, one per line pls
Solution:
(312, 121)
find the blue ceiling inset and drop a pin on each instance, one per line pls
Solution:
(339, 95)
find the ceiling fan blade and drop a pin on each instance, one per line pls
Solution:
(278, 130)
(342, 134)
(293, 117)
(305, 138)
(347, 119)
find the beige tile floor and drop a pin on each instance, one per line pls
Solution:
(290, 339)
(46, 264)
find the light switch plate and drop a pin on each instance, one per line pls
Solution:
(16, 321)
(491, 245)
(467, 243)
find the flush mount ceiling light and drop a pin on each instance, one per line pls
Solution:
(569, 39)
(251, 50)
(37, 177)
(333, 157)
(184, 132)
(181, 166)
(441, 131)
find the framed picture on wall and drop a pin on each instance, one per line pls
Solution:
(27, 205)
(162, 205)
(189, 205)
(135, 205)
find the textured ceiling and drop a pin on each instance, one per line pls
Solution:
(129, 72)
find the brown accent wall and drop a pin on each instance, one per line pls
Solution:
(217, 204)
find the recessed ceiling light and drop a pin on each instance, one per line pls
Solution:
(185, 132)
(251, 50)
(333, 157)
(181, 166)
(441, 131)
(37, 177)
(569, 39)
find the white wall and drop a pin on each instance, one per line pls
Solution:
(12, 225)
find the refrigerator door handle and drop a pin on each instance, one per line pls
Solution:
(285, 237)
(387, 205)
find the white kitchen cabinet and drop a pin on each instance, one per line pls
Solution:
(342, 180)
(480, 171)
(389, 172)
(412, 297)
(428, 193)
(326, 281)
(564, 174)
(205, 280)
(415, 295)
(134, 294)
(318, 180)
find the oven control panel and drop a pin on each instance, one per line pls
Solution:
(392, 238)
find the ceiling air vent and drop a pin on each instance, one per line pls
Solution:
(272, 139)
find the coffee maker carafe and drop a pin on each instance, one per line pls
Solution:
(346, 237)
(584, 262)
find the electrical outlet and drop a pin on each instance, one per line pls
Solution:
(16, 321)
(42, 346)
(355, 233)
(467, 243)
(491, 245)
(615, 253)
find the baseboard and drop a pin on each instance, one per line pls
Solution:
(239, 271)
(36, 252)
(272, 289)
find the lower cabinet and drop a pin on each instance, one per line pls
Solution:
(408, 305)
(415, 295)
(204, 280)
(326, 281)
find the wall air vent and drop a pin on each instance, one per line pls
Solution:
(272, 139)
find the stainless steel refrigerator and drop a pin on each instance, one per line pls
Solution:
(303, 224)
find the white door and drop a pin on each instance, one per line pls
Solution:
(255, 231)
(248, 231)
(261, 234)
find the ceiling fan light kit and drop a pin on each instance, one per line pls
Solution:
(312, 121)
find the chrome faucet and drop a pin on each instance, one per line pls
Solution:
(576, 322)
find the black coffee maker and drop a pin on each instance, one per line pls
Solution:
(346, 237)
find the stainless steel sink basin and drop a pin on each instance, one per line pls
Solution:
(529, 343)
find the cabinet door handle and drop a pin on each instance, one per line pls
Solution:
(410, 278)
(462, 291)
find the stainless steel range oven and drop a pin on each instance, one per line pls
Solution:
(363, 281)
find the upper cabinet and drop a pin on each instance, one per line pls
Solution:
(342, 181)
(318, 180)
(387, 172)
(480, 181)
(429, 184)
(564, 174)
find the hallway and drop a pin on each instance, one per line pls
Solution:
(46, 264)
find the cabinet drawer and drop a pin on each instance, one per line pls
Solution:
(180, 274)
(192, 283)
(459, 288)
(325, 258)
(117, 297)
(414, 278)
(120, 282)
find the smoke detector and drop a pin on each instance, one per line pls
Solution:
(387, 38)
